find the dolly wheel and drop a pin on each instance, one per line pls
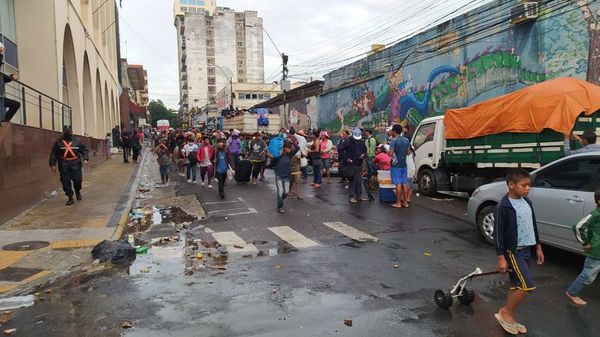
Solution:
(442, 299)
(467, 297)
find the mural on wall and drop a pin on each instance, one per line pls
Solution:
(560, 44)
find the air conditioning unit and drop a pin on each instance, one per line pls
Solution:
(524, 12)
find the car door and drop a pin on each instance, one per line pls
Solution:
(563, 193)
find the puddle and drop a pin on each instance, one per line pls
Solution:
(176, 215)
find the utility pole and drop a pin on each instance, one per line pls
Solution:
(232, 94)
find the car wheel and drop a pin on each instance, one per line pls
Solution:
(485, 222)
(427, 183)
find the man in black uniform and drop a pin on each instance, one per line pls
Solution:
(71, 154)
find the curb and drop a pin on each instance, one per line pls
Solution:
(120, 227)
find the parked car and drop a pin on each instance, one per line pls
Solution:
(562, 193)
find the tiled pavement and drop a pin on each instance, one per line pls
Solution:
(49, 240)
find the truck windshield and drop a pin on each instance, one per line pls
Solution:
(423, 135)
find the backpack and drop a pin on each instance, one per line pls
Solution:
(193, 157)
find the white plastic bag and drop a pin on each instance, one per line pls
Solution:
(410, 167)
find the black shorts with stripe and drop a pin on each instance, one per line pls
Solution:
(520, 274)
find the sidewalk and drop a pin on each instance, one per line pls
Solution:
(47, 241)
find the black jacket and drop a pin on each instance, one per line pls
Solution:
(59, 150)
(4, 79)
(505, 226)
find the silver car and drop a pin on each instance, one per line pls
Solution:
(562, 193)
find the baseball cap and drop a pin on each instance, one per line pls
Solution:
(357, 134)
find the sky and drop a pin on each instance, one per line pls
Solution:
(319, 36)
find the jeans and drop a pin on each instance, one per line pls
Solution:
(191, 172)
(282, 185)
(204, 171)
(317, 165)
(221, 177)
(125, 154)
(304, 172)
(591, 268)
(355, 187)
(257, 168)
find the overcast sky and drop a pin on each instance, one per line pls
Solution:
(318, 35)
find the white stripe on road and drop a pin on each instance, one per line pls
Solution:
(350, 232)
(233, 243)
(292, 237)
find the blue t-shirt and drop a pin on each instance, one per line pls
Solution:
(399, 146)
(221, 162)
(525, 232)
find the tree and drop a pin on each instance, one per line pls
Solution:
(159, 111)
(593, 22)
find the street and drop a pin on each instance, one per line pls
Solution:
(293, 275)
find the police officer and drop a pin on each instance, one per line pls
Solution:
(71, 154)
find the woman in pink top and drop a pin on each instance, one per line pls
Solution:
(326, 147)
(382, 159)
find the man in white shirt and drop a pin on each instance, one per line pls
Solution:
(190, 161)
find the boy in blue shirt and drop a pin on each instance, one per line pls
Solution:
(516, 236)
(399, 148)
(221, 166)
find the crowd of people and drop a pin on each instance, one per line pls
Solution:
(292, 154)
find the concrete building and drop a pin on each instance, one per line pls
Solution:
(216, 46)
(134, 96)
(70, 55)
(66, 53)
(247, 95)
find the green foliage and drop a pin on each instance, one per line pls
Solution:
(159, 111)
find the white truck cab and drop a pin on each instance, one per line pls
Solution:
(429, 144)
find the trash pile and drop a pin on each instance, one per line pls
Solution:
(204, 253)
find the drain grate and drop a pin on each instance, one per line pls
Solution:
(26, 245)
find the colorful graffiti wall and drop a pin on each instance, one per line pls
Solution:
(464, 62)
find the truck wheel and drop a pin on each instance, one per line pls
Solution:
(427, 183)
(485, 223)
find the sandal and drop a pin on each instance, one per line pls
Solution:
(520, 328)
(508, 327)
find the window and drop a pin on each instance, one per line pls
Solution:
(267, 96)
(240, 80)
(212, 90)
(240, 72)
(241, 96)
(209, 42)
(211, 71)
(248, 96)
(254, 96)
(240, 44)
(211, 61)
(579, 174)
(260, 96)
(423, 135)
(211, 81)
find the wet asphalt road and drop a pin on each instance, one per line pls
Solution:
(310, 292)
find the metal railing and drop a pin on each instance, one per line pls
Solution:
(36, 103)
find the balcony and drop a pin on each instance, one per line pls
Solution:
(182, 28)
(183, 57)
(184, 77)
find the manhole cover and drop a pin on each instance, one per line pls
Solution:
(14, 274)
(26, 245)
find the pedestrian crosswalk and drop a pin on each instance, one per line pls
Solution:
(350, 232)
(294, 238)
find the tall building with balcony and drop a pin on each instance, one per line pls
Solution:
(134, 95)
(216, 46)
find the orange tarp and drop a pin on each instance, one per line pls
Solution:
(553, 104)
